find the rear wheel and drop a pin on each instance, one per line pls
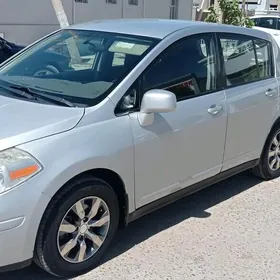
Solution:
(269, 165)
(77, 228)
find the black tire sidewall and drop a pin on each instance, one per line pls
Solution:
(268, 173)
(51, 256)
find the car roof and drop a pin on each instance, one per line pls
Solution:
(159, 28)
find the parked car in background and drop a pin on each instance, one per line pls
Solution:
(8, 49)
(268, 22)
(134, 115)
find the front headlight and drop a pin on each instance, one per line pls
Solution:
(16, 166)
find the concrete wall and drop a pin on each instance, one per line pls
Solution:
(96, 9)
(24, 21)
(186, 9)
(154, 9)
(161, 9)
(99, 9)
(133, 11)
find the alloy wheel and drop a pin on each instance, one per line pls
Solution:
(274, 153)
(83, 229)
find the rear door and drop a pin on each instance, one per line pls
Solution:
(251, 93)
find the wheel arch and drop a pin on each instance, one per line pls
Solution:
(116, 183)
(274, 125)
(113, 179)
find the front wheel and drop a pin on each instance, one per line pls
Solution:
(269, 165)
(77, 228)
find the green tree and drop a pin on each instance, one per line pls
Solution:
(230, 13)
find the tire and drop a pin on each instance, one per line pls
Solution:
(263, 169)
(48, 253)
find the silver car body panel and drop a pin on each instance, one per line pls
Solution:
(179, 149)
(181, 136)
(22, 123)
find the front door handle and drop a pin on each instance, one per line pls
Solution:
(270, 93)
(215, 109)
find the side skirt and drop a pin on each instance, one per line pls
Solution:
(189, 190)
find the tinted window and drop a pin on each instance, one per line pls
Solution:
(265, 22)
(264, 58)
(239, 59)
(278, 23)
(186, 68)
(78, 65)
(256, 21)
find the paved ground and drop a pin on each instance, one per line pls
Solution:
(228, 231)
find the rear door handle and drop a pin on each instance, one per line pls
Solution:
(215, 109)
(270, 93)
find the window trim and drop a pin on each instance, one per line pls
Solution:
(253, 38)
(220, 64)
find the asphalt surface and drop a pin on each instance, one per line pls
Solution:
(228, 231)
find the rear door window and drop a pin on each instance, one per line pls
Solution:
(239, 59)
(245, 59)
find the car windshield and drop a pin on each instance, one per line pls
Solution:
(80, 66)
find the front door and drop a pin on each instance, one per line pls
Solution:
(185, 146)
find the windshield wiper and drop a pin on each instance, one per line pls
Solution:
(36, 94)
(18, 92)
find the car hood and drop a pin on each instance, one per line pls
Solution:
(24, 121)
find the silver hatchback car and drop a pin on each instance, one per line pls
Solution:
(106, 121)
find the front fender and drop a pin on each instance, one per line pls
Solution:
(84, 148)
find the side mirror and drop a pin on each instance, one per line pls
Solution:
(156, 101)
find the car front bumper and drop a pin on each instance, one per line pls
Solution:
(21, 210)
